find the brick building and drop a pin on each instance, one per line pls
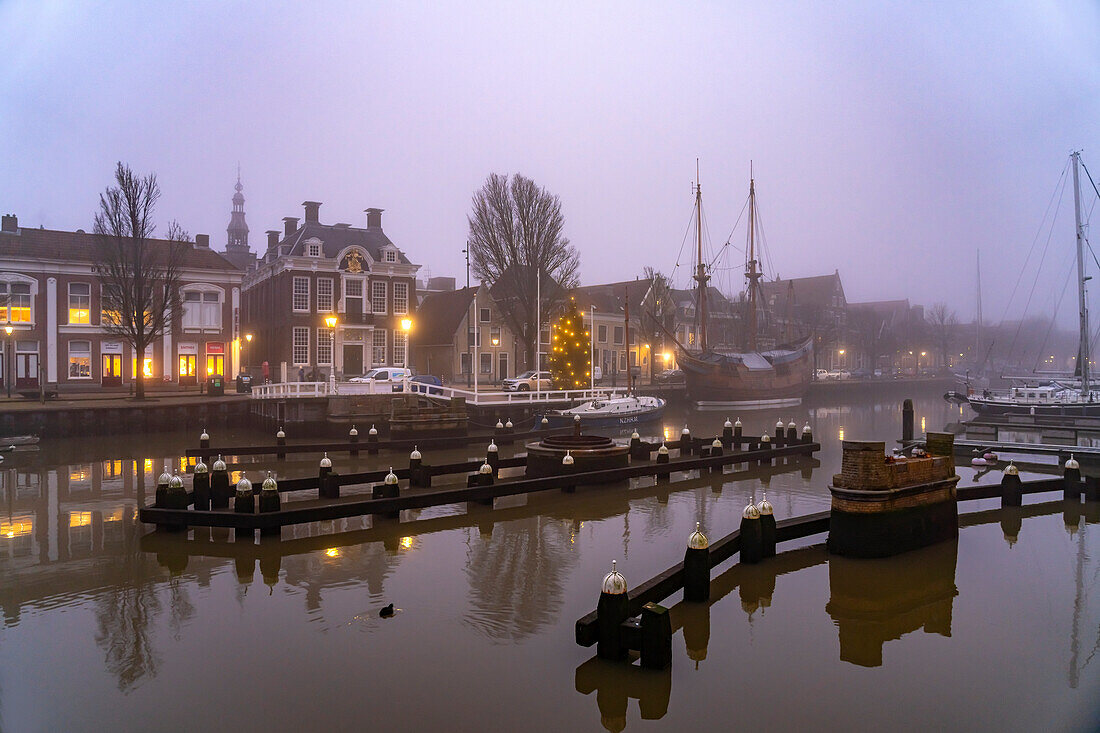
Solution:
(51, 298)
(313, 271)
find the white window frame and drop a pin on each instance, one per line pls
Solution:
(400, 298)
(299, 339)
(373, 294)
(203, 313)
(8, 279)
(325, 344)
(80, 354)
(313, 249)
(400, 347)
(325, 302)
(375, 346)
(87, 308)
(390, 255)
(295, 294)
(484, 314)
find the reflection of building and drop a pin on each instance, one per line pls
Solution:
(313, 271)
(874, 601)
(51, 296)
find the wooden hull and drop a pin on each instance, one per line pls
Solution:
(725, 382)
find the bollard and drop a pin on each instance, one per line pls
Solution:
(737, 431)
(662, 460)
(576, 425)
(327, 486)
(483, 477)
(1072, 479)
(498, 430)
(419, 475)
(697, 567)
(244, 503)
(160, 498)
(752, 550)
(372, 441)
(612, 609)
(656, 651)
(685, 442)
(544, 423)
(269, 502)
(509, 431)
(567, 462)
(219, 485)
(767, 527)
(792, 432)
(727, 433)
(807, 433)
(204, 445)
(635, 445)
(492, 457)
(715, 451)
(907, 421)
(1011, 488)
(779, 432)
(200, 484)
(388, 489)
(765, 444)
(177, 494)
(280, 441)
(353, 438)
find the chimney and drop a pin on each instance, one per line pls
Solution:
(290, 225)
(202, 240)
(312, 207)
(272, 238)
(10, 223)
(374, 218)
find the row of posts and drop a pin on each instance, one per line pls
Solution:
(1073, 487)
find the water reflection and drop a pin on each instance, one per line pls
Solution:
(615, 684)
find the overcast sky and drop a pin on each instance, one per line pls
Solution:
(888, 142)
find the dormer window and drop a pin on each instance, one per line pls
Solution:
(313, 249)
(390, 256)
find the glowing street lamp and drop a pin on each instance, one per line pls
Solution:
(330, 321)
(406, 326)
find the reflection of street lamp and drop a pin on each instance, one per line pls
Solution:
(406, 326)
(7, 362)
(330, 321)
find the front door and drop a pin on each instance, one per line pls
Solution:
(26, 371)
(187, 370)
(503, 365)
(112, 370)
(353, 359)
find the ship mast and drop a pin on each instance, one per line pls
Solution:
(1084, 351)
(701, 276)
(750, 266)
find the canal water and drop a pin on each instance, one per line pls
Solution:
(105, 625)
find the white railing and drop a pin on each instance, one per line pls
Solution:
(297, 390)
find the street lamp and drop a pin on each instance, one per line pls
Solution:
(406, 326)
(247, 341)
(330, 321)
(7, 362)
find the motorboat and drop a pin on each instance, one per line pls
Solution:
(609, 412)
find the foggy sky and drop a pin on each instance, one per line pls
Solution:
(888, 142)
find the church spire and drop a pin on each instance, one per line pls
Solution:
(238, 230)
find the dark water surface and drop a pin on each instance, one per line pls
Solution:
(105, 627)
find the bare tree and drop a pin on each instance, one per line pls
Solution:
(516, 238)
(942, 322)
(658, 316)
(139, 275)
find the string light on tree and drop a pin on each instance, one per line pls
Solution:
(569, 352)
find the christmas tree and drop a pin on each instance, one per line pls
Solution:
(570, 354)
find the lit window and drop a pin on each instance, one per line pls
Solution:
(16, 300)
(301, 345)
(400, 298)
(80, 360)
(80, 303)
(324, 295)
(378, 297)
(301, 294)
(378, 350)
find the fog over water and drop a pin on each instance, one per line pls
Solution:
(886, 139)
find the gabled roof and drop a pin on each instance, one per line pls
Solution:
(53, 244)
(334, 239)
(608, 298)
(817, 291)
(889, 312)
(440, 315)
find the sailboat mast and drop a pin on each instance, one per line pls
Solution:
(1083, 353)
(978, 320)
(750, 271)
(700, 268)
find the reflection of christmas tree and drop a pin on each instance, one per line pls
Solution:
(570, 351)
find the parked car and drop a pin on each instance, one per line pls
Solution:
(426, 384)
(669, 376)
(528, 381)
(597, 373)
(393, 375)
(862, 374)
(821, 375)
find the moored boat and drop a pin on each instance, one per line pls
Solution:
(610, 412)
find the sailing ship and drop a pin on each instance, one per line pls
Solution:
(1072, 396)
(751, 378)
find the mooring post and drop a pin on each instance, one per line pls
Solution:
(498, 430)
(353, 438)
(269, 502)
(177, 494)
(752, 550)
(483, 477)
(509, 431)
(792, 432)
(738, 433)
(418, 475)
(907, 421)
(372, 441)
(1011, 486)
(612, 609)
(324, 491)
(204, 445)
(544, 423)
(656, 636)
(635, 445)
(388, 489)
(716, 452)
(807, 433)
(767, 527)
(697, 567)
(492, 457)
(765, 444)
(280, 442)
(576, 425)
(1072, 479)
(685, 442)
(244, 503)
(200, 487)
(727, 433)
(662, 460)
(779, 432)
(219, 486)
(160, 497)
(567, 468)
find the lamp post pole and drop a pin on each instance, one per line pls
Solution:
(7, 361)
(469, 321)
(592, 348)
